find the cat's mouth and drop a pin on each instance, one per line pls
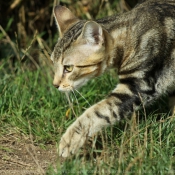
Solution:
(65, 88)
(69, 88)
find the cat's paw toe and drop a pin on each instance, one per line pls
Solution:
(64, 150)
(70, 143)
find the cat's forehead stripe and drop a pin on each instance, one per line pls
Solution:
(65, 42)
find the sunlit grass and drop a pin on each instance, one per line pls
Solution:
(144, 144)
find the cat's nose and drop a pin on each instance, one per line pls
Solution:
(56, 82)
(56, 86)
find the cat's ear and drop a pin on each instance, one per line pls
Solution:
(93, 33)
(64, 18)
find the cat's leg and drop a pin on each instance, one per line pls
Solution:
(121, 103)
(172, 103)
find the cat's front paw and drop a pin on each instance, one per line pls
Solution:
(71, 141)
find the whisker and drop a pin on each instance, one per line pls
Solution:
(76, 100)
(70, 103)
(82, 97)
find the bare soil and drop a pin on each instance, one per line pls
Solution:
(20, 156)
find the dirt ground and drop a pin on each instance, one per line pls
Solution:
(19, 156)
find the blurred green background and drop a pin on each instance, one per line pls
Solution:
(28, 27)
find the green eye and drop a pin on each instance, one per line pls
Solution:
(68, 68)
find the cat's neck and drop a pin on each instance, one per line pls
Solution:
(111, 23)
(117, 28)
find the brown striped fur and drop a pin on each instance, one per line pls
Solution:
(139, 43)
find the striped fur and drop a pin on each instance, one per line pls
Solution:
(139, 43)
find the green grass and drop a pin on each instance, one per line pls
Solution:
(29, 104)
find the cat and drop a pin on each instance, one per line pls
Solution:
(139, 43)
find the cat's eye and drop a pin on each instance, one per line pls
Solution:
(68, 68)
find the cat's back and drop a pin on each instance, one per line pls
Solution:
(152, 23)
(145, 16)
(154, 10)
(159, 7)
(155, 15)
(151, 39)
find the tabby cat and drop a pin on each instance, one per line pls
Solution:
(139, 43)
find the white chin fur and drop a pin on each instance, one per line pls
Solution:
(64, 89)
(79, 84)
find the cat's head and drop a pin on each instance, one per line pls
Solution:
(80, 53)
